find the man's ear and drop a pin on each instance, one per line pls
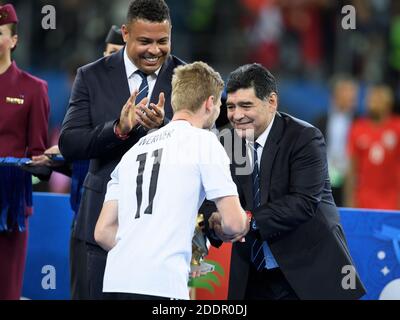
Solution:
(210, 103)
(273, 100)
(125, 32)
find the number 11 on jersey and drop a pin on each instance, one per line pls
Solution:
(157, 155)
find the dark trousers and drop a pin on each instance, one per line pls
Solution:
(78, 269)
(96, 265)
(337, 194)
(87, 265)
(268, 285)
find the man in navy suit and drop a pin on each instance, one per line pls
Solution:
(296, 248)
(114, 101)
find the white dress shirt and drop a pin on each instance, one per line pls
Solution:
(134, 79)
(261, 140)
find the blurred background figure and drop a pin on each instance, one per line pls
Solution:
(335, 126)
(24, 114)
(374, 151)
(114, 41)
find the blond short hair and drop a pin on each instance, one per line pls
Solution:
(194, 83)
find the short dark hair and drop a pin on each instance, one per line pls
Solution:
(151, 10)
(252, 76)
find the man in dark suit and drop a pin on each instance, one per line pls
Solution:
(114, 101)
(296, 248)
(77, 170)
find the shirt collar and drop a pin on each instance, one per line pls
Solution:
(262, 139)
(131, 68)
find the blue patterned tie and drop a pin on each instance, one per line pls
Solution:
(144, 87)
(257, 251)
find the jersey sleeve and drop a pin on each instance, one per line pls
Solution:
(215, 173)
(113, 186)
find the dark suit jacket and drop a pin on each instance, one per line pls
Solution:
(297, 216)
(100, 91)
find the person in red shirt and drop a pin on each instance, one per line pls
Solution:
(24, 112)
(374, 150)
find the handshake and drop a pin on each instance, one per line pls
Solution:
(215, 226)
(199, 242)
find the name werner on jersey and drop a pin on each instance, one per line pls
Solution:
(153, 138)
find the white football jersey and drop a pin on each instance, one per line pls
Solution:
(160, 185)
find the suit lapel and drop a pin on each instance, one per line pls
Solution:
(268, 156)
(118, 80)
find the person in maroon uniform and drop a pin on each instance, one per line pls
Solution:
(24, 111)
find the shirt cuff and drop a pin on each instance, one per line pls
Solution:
(118, 133)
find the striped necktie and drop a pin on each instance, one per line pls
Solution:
(144, 87)
(257, 251)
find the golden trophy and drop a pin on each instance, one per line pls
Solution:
(200, 248)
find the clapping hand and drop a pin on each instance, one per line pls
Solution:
(128, 120)
(153, 116)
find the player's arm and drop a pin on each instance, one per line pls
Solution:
(234, 220)
(107, 225)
